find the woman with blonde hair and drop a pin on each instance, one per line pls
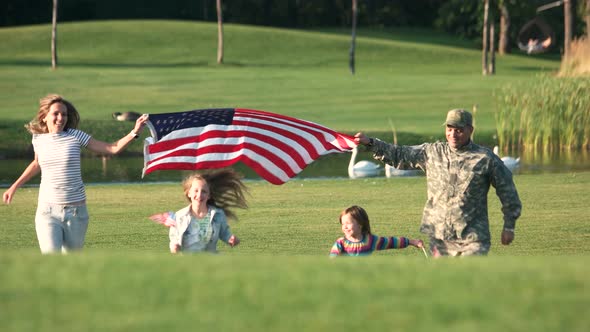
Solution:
(61, 219)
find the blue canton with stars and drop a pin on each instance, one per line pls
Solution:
(168, 122)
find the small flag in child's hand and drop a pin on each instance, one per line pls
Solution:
(165, 218)
(275, 146)
(424, 251)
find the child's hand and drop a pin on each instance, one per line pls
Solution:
(166, 218)
(233, 241)
(174, 248)
(417, 243)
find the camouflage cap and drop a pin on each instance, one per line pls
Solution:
(459, 118)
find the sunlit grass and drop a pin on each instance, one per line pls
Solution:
(411, 77)
(280, 277)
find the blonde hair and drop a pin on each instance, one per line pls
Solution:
(226, 189)
(38, 126)
(360, 216)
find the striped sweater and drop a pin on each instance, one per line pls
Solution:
(58, 155)
(367, 245)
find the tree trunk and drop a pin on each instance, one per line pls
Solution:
(353, 41)
(587, 16)
(492, 65)
(54, 36)
(504, 42)
(567, 29)
(219, 33)
(484, 51)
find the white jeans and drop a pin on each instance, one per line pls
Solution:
(61, 228)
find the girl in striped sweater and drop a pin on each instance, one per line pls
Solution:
(358, 240)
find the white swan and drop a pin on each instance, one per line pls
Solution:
(363, 168)
(510, 162)
(391, 171)
(126, 116)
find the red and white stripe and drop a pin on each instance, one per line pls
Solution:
(275, 146)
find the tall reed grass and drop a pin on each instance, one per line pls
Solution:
(578, 62)
(546, 113)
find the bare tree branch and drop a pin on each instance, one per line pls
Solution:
(484, 47)
(54, 36)
(504, 42)
(353, 41)
(219, 33)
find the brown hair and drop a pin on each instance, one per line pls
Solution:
(226, 189)
(38, 126)
(360, 216)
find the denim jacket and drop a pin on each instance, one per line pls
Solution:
(218, 229)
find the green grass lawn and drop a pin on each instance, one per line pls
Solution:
(280, 277)
(410, 77)
(152, 292)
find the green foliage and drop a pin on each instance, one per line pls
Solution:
(460, 18)
(280, 13)
(546, 112)
(465, 18)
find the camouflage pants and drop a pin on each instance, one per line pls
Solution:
(453, 248)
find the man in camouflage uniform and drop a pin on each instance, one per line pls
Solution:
(459, 174)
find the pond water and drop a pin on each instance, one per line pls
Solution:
(128, 169)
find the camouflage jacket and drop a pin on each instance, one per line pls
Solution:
(458, 183)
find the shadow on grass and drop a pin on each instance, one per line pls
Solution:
(198, 64)
(409, 35)
(79, 64)
(535, 69)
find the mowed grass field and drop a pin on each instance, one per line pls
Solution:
(409, 77)
(280, 278)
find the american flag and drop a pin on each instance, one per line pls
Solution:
(275, 146)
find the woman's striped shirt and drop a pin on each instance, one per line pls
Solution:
(58, 155)
(367, 245)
